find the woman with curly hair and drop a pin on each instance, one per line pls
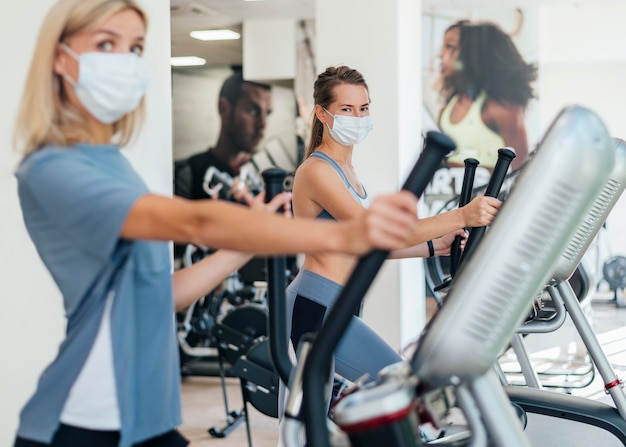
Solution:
(486, 86)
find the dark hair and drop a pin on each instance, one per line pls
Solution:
(324, 95)
(231, 88)
(490, 62)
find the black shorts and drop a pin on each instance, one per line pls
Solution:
(68, 436)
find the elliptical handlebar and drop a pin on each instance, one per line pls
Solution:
(466, 195)
(505, 157)
(276, 266)
(436, 146)
(492, 189)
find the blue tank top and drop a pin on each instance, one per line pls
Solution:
(362, 199)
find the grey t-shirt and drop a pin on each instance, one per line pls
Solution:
(74, 202)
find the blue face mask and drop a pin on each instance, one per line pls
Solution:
(109, 85)
(350, 130)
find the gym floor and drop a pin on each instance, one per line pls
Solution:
(203, 406)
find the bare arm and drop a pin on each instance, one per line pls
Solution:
(195, 281)
(441, 246)
(192, 283)
(318, 185)
(478, 213)
(215, 223)
(509, 122)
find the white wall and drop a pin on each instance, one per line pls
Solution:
(583, 60)
(31, 321)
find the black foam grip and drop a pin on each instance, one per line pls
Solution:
(276, 302)
(274, 179)
(464, 199)
(505, 157)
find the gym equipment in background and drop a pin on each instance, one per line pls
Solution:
(438, 269)
(249, 337)
(225, 333)
(614, 273)
(505, 157)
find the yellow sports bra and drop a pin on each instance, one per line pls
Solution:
(471, 135)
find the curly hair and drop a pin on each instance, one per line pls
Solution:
(489, 61)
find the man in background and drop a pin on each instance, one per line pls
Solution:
(244, 107)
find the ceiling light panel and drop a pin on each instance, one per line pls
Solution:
(215, 34)
(187, 61)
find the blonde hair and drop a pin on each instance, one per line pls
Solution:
(45, 115)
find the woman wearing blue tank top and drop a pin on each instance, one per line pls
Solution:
(327, 186)
(101, 233)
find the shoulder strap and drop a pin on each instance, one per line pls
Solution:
(334, 164)
(444, 119)
(480, 99)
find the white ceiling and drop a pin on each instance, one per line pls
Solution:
(188, 15)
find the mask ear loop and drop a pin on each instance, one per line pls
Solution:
(69, 51)
(327, 125)
(74, 56)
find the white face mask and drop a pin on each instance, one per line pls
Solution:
(349, 130)
(109, 85)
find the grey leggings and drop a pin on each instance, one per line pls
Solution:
(361, 351)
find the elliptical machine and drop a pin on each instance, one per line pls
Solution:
(486, 303)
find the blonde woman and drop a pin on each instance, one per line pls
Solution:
(103, 235)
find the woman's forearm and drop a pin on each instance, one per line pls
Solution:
(479, 212)
(416, 251)
(433, 227)
(192, 283)
(214, 223)
(263, 233)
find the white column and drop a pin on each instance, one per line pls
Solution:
(382, 40)
(269, 49)
(32, 322)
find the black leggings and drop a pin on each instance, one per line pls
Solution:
(308, 316)
(68, 436)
